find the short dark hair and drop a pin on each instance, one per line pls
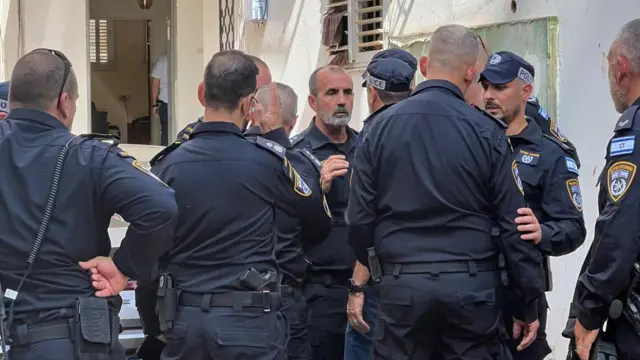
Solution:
(229, 76)
(313, 79)
(36, 80)
(259, 62)
(388, 97)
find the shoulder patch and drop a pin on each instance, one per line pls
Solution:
(135, 163)
(516, 176)
(314, 160)
(272, 146)
(529, 158)
(498, 121)
(571, 165)
(626, 119)
(299, 185)
(164, 152)
(555, 131)
(557, 141)
(573, 187)
(622, 145)
(105, 138)
(619, 178)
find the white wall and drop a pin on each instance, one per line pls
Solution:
(290, 43)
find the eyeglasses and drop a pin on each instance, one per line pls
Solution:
(483, 45)
(67, 68)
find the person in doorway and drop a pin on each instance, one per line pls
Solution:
(160, 95)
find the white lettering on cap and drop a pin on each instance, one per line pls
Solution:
(4, 106)
(495, 58)
(376, 83)
(525, 75)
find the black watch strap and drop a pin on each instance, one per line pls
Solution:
(353, 288)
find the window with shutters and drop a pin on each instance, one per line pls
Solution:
(101, 44)
(353, 30)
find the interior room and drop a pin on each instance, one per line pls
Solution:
(126, 37)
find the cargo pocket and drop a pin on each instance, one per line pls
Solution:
(478, 311)
(395, 306)
(176, 341)
(248, 344)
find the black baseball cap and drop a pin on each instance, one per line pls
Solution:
(391, 75)
(505, 66)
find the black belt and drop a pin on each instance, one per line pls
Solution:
(290, 292)
(328, 279)
(25, 335)
(236, 299)
(444, 267)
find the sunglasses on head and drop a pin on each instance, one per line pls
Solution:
(67, 68)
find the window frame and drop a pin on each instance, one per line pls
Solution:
(110, 64)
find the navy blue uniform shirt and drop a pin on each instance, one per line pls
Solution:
(97, 180)
(366, 124)
(227, 190)
(431, 179)
(616, 244)
(552, 190)
(334, 254)
(293, 240)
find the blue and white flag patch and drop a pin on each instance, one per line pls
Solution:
(622, 145)
(544, 113)
(571, 165)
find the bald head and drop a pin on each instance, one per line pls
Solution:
(627, 43)
(453, 47)
(36, 81)
(288, 101)
(264, 74)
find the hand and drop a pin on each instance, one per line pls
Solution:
(354, 312)
(529, 225)
(527, 331)
(105, 276)
(334, 166)
(584, 340)
(272, 119)
(154, 110)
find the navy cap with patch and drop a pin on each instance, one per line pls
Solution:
(4, 97)
(399, 54)
(391, 75)
(505, 66)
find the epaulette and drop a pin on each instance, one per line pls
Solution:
(498, 121)
(105, 138)
(164, 152)
(314, 160)
(271, 146)
(533, 100)
(557, 141)
(626, 119)
(298, 137)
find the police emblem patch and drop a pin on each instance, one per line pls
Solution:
(495, 58)
(619, 178)
(300, 186)
(573, 187)
(528, 158)
(138, 165)
(555, 131)
(516, 176)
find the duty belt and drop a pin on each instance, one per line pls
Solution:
(444, 267)
(328, 279)
(290, 292)
(30, 334)
(237, 299)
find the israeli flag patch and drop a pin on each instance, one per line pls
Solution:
(622, 145)
(543, 113)
(571, 165)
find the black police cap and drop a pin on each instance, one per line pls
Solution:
(391, 75)
(505, 66)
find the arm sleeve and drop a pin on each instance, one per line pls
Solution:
(148, 205)
(563, 229)
(523, 259)
(616, 233)
(361, 214)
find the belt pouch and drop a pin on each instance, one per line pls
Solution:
(93, 329)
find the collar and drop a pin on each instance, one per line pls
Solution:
(37, 116)
(377, 112)
(318, 139)
(637, 102)
(441, 84)
(278, 135)
(253, 130)
(216, 126)
(532, 133)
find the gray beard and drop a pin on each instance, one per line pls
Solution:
(338, 121)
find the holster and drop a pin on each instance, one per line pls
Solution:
(601, 350)
(502, 260)
(167, 304)
(97, 328)
(545, 274)
(631, 309)
(374, 265)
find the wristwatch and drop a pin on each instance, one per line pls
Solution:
(354, 288)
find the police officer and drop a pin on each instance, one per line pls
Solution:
(228, 188)
(388, 82)
(549, 176)
(443, 176)
(615, 249)
(332, 141)
(263, 78)
(4, 97)
(293, 239)
(397, 54)
(53, 307)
